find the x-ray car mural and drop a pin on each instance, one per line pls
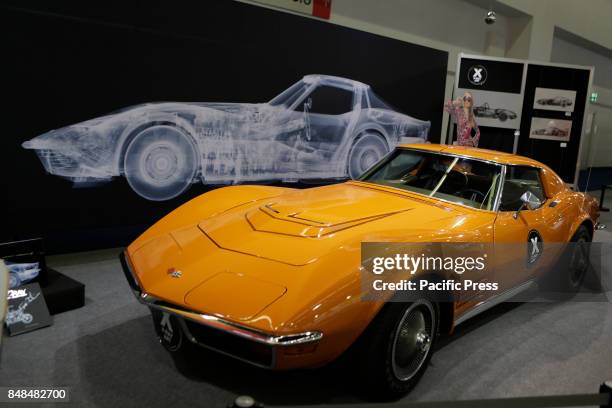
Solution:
(321, 127)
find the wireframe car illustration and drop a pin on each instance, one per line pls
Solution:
(321, 127)
(20, 273)
(485, 111)
(551, 131)
(556, 101)
(271, 275)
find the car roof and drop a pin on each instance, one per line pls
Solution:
(334, 80)
(476, 153)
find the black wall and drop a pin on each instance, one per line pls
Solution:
(69, 61)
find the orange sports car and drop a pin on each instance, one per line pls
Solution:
(271, 275)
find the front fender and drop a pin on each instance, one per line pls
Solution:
(205, 206)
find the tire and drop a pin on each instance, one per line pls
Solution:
(567, 277)
(578, 259)
(160, 163)
(397, 347)
(169, 331)
(502, 116)
(367, 150)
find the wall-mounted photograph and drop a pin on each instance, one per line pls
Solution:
(550, 129)
(496, 109)
(554, 99)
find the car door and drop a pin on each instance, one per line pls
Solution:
(330, 112)
(524, 236)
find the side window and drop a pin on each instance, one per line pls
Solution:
(520, 179)
(328, 100)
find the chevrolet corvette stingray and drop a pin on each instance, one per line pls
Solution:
(321, 127)
(271, 275)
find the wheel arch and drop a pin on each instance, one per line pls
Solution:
(586, 221)
(130, 133)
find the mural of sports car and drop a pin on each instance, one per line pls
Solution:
(556, 101)
(551, 131)
(485, 111)
(322, 127)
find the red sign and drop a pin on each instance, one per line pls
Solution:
(316, 8)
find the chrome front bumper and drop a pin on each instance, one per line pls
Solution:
(223, 336)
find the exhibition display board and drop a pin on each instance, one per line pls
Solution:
(529, 108)
(253, 96)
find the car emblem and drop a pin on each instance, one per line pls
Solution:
(477, 75)
(175, 273)
(535, 245)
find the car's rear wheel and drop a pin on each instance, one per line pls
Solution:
(578, 258)
(398, 347)
(367, 150)
(160, 163)
(573, 264)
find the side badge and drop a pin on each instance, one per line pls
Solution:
(535, 246)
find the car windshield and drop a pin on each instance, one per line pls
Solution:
(460, 180)
(289, 95)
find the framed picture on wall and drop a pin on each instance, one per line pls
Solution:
(550, 129)
(496, 109)
(554, 99)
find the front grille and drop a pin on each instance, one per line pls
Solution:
(245, 349)
(58, 160)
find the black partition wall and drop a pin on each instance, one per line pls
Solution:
(529, 108)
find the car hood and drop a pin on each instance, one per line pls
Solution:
(174, 107)
(299, 227)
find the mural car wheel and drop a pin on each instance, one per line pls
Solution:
(160, 163)
(502, 116)
(365, 153)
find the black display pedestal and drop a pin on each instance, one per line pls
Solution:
(62, 293)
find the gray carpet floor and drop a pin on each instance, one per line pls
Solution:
(107, 353)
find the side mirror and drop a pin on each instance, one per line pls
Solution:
(530, 201)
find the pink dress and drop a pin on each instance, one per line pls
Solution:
(464, 130)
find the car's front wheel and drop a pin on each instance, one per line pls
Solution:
(399, 345)
(502, 116)
(168, 331)
(367, 150)
(160, 163)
